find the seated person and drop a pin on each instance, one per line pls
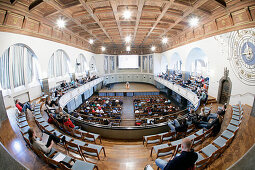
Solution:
(67, 122)
(175, 126)
(185, 160)
(223, 110)
(39, 145)
(211, 121)
(22, 107)
(59, 117)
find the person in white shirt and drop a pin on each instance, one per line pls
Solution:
(137, 111)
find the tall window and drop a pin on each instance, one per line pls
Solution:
(106, 64)
(58, 64)
(81, 64)
(19, 60)
(4, 70)
(92, 64)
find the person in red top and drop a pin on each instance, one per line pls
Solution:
(22, 107)
(69, 123)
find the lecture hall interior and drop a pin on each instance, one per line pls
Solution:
(127, 84)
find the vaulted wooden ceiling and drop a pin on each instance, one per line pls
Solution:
(103, 21)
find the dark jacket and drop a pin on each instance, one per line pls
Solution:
(182, 162)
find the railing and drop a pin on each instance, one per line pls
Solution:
(66, 98)
(184, 92)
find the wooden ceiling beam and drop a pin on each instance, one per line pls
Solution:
(68, 15)
(50, 14)
(80, 14)
(164, 10)
(222, 3)
(186, 4)
(13, 1)
(116, 15)
(138, 16)
(34, 4)
(90, 11)
(185, 14)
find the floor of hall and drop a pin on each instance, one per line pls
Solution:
(127, 115)
(127, 155)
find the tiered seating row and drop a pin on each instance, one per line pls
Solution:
(209, 153)
(51, 158)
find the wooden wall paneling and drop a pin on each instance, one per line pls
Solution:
(66, 37)
(248, 13)
(2, 16)
(210, 27)
(14, 20)
(190, 34)
(45, 30)
(198, 32)
(57, 34)
(224, 22)
(252, 11)
(79, 42)
(31, 25)
(182, 38)
(240, 16)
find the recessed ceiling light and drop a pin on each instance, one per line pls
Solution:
(164, 40)
(103, 48)
(61, 23)
(193, 21)
(91, 41)
(153, 48)
(128, 48)
(128, 39)
(127, 14)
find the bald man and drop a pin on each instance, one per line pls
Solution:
(184, 161)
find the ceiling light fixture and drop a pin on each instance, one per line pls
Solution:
(153, 48)
(164, 40)
(128, 39)
(103, 48)
(193, 21)
(61, 23)
(91, 41)
(128, 48)
(127, 14)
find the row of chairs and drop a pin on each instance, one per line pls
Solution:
(218, 146)
(50, 158)
(166, 136)
(174, 146)
(90, 149)
(77, 133)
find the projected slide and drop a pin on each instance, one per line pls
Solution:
(128, 61)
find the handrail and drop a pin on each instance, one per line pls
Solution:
(195, 103)
(242, 94)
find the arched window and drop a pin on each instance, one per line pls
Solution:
(58, 64)
(92, 64)
(196, 62)
(20, 62)
(4, 70)
(176, 63)
(81, 64)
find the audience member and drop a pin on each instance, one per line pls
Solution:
(39, 145)
(184, 161)
(22, 107)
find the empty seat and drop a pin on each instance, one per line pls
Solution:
(209, 150)
(220, 141)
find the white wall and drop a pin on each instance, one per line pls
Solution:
(43, 49)
(157, 63)
(217, 54)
